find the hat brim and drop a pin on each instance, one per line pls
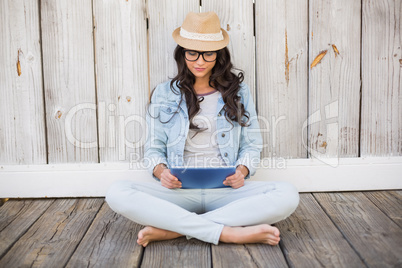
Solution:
(200, 45)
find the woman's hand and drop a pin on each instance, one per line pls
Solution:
(162, 172)
(237, 180)
(168, 180)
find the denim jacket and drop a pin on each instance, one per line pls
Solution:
(168, 126)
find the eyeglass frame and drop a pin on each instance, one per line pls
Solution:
(199, 54)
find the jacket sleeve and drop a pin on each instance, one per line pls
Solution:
(250, 145)
(155, 145)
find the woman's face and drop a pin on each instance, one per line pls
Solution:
(200, 68)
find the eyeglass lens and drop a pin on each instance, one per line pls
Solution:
(192, 55)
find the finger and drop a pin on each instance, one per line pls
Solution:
(172, 182)
(230, 181)
(171, 185)
(168, 176)
(166, 180)
(239, 182)
(176, 184)
(166, 173)
(238, 185)
(227, 182)
(172, 178)
(231, 177)
(165, 184)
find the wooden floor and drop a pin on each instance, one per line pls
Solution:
(360, 229)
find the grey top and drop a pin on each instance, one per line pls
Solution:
(201, 147)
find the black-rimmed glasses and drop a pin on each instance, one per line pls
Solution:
(192, 55)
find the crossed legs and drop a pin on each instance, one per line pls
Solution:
(174, 213)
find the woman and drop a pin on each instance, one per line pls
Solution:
(204, 116)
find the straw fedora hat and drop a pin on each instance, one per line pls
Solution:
(202, 32)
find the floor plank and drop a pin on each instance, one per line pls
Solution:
(310, 239)
(389, 202)
(109, 242)
(54, 236)
(341, 229)
(178, 252)
(16, 216)
(250, 255)
(376, 237)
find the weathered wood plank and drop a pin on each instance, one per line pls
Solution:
(237, 19)
(54, 237)
(310, 239)
(16, 217)
(22, 128)
(111, 241)
(281, 55)
(249, 255)
(376, 238)
(389, 202)
(381, 111)
(164, 17)
(69, 81)
(178, 252)
(121, 78)
(334, 82)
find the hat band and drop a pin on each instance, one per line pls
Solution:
(201, 36)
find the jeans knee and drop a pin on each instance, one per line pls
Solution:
(291, 195)
(114, 195)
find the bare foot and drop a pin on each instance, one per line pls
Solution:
(149, 234)
(262, 233)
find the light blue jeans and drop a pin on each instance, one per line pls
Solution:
(202, 213)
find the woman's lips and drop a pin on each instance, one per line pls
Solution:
(199, 69)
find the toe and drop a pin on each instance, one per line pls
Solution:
(277, 233)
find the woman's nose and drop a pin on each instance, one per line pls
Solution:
(200, 60)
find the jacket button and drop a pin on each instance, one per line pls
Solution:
(223, 135)
(225, 154)
(169, 110)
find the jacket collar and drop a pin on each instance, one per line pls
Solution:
(221, 103)
(177, 97)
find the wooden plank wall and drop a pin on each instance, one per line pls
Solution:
(282, 55)
(381, 112)
(120, 33)
(75, 77)
(22, 119)
(334, 83)
(69, 81)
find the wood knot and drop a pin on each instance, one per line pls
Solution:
(58, 114)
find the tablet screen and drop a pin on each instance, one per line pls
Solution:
(202, 178)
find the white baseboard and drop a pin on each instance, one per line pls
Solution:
(93, 180)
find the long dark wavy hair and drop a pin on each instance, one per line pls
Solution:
(222, 79)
